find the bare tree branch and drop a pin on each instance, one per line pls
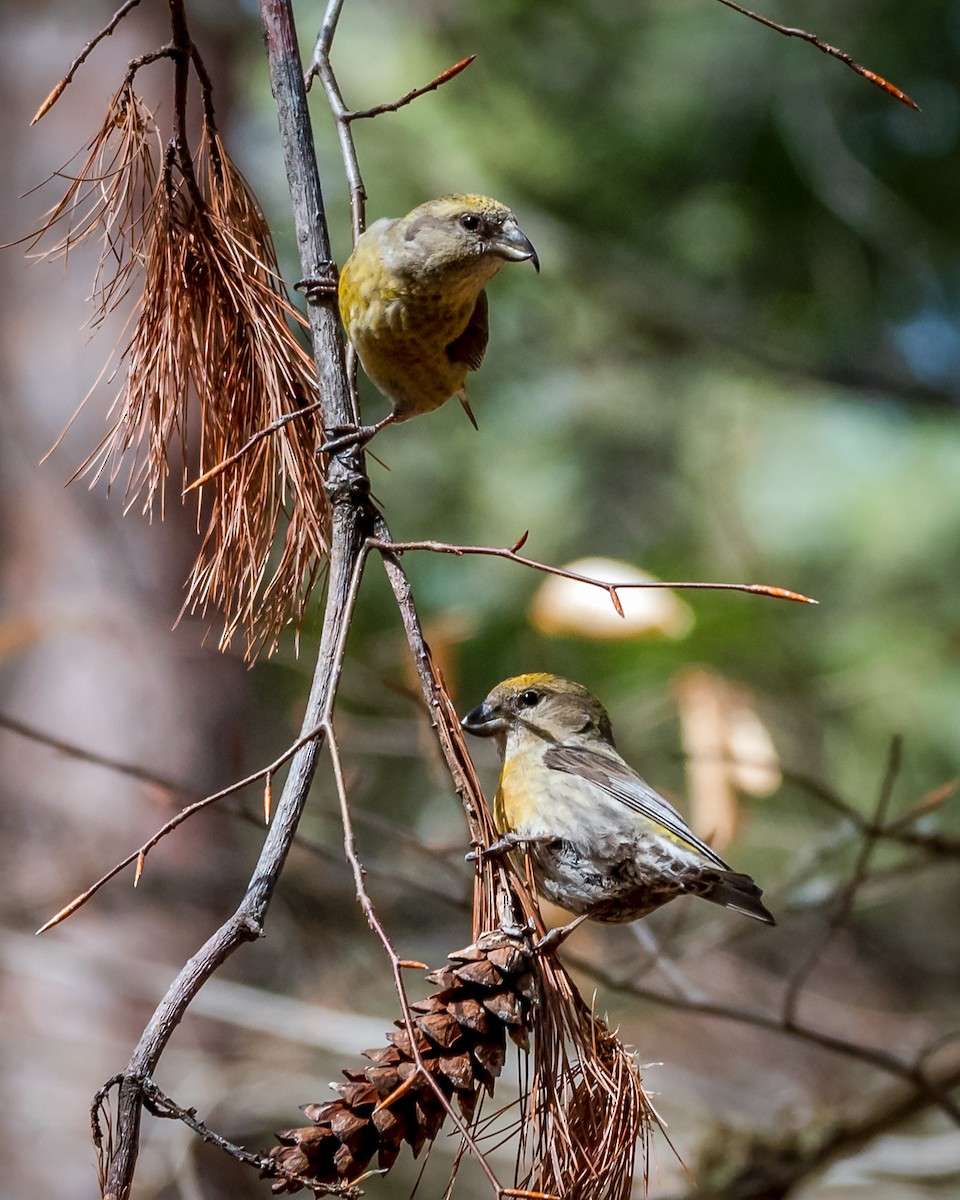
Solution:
(871, 835)
(184, 814)
(772, 1166)
(82, 58)
(350, 510)
(842, 55)
(394, 105)
(935, 1090)
(511, 555)
(320, 66)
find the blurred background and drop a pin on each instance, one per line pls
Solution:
(740, 362)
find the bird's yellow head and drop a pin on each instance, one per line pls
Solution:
(459, 230)
(542, 706)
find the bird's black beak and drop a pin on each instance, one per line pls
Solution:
(513, 244)
(483, 721)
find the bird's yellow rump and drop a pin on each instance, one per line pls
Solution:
(602, 842)
(412, 298)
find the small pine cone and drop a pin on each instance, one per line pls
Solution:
(461, 1034)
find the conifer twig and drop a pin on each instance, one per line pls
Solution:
(511, 555)
(826, 48)
(81, 58)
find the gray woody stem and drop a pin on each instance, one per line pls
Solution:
(348, 492)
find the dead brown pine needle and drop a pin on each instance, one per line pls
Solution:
(109, 197)
(267, 799)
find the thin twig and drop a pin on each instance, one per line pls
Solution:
(349, 491)
(935, 844)
(322, 68)
(320, 65)
(184, 814)
(454, 753)
(930, 803)
(882, 1060)
(511, 555)
(871, 835)
(366, 905)
(159, 1104)
(359, 114)
(812, 38)
(81, 59)
(184, 52)
(279, 423)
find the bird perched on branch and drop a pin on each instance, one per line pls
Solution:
(413, 303)
(603, 844)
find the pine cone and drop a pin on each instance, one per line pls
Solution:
(461, 1030)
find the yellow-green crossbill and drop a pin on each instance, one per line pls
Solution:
(603, 844)
(413, 303)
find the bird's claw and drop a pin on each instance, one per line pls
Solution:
(353, 435)
(516, 932)
(324, 283)
(503, 845)
(549, 942)
(481, 853)
(556, 937)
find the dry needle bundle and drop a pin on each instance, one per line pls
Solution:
(212, 360)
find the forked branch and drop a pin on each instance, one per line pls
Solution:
(511, 555)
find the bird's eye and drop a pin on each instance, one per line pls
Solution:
(529, 698)
(470, 221)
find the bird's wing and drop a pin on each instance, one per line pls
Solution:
(469, 347)
(620, 781)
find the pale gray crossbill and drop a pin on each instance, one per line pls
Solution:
(602, 843)
(413, 303)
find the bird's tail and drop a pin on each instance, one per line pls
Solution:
(739, 892)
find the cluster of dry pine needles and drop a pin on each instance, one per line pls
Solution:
(210, 358)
